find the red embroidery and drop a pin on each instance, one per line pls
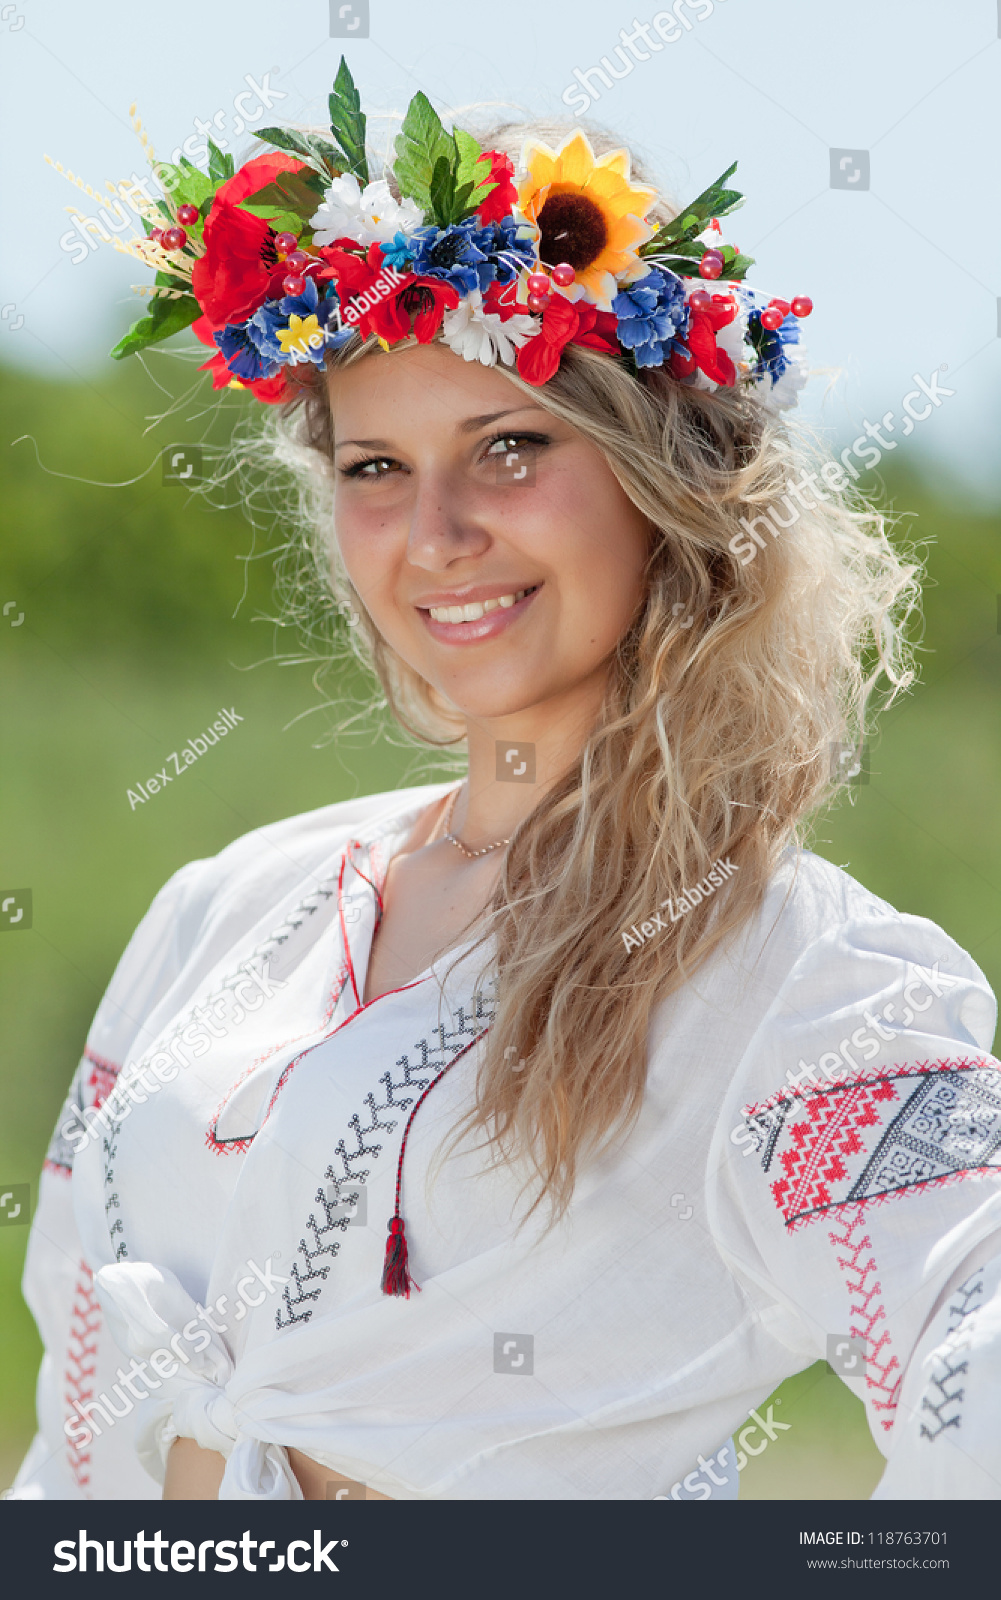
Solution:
(827, 1134)
(81, 1366)
(853, 1250)
(102, 1076)
(803, 1091)
(223, 1147)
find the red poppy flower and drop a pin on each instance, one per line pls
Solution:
(564, 322)
(500, 201)
(255, 175)
(386, 300)
(701, 340)
(232, 278)
(427, 300)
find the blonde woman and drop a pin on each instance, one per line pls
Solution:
(515, 1137)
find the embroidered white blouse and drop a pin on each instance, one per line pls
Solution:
(814, 1173)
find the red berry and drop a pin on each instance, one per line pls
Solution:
(296, 260)
(295, 283)
(682, 363)
(563, 275)
(174, 239)
(779, 305)
(539, 284)
(711, 265)
(772, 318)
(187, 215)
(156, 235)
(286, 242)
(538, 302)
(700, 300)
(802, 305)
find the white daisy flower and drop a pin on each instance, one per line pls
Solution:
(367, 215)
(479, 335)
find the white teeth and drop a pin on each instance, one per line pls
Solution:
(476, 609)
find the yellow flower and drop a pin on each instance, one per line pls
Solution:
(588, 213)
(301, 335)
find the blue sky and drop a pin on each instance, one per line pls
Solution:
(904, 274)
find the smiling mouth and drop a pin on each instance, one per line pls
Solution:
(478, 609)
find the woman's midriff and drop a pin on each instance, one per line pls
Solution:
(195, 1474)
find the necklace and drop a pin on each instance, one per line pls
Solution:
(469, 854)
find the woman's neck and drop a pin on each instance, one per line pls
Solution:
(513, 760)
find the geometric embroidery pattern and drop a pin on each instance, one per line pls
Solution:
(81, 1366)
(355, 1156)
(93, 1074)
(943, 1395)
(855, 1258)
(820, 1140)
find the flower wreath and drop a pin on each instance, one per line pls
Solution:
(298, 252)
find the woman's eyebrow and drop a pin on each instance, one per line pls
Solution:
(471, 424)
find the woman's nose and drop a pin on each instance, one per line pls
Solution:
(443, 527)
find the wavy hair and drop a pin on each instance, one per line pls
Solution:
(725, 699)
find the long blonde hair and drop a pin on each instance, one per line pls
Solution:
(724, 702)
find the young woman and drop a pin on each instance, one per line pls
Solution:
(659, 1107)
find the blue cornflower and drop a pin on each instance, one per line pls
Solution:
(273, 319)
(770, 344)
(507, 253)
(652, 317)
(397, 253)
(243, 355)
(452, 254)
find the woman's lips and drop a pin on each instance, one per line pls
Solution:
(486, 627)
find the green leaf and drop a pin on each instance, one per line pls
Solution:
(347, 122)
(420, 145)
(716, 201)
(281, 221)
(443, 191)
(165, 317)
(468, 172)
(221, 166)
(736, 269)
(300, 192)
(193, 186)
(317, 153)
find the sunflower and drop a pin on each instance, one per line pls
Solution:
(587, 213)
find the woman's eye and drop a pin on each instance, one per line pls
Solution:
(513, 443)
(377, 467)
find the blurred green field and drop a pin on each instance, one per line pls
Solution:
(129, 646)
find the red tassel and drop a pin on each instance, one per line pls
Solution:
(396, 1277)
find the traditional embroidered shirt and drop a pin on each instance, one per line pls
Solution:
(814, 1173)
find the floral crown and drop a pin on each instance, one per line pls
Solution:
(298, 252)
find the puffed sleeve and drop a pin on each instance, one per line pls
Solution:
(79, 1359)
(855, 1191)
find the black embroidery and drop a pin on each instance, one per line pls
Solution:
(951, 1123)
(323, 1229)
(942, 1392)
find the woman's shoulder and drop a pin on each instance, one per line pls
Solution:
(815, 913)
(263, 866)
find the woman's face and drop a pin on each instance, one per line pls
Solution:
(489, 541)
